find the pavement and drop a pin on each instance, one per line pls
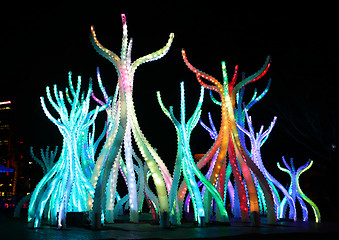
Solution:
(11, 229)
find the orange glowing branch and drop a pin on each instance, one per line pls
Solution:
(109, 55)
(217, 86)
(224, 139)
(228, 141)
(209, 87)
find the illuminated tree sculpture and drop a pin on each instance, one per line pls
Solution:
(65, 186)
(257, 140)
(296, 192)
(46, 162)
(239, 114)
(185, 162)
(129, 124)
(228, 141)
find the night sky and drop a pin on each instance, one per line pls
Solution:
(40, 43)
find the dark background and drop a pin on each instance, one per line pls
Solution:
(41, 42)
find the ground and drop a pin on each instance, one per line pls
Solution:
(19, 229)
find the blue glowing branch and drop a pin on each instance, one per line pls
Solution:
(295, 190)
(47, 158)
(66, 179)
(185, 131)
(255, 99)
(46, 163)
(212, 131)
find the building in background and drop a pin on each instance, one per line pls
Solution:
(7, 156)
(18, 172)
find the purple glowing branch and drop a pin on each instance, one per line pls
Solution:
(211, 122)
(210, 131)
(102, 88)
(260, 136)
(286, 164)
(97, 99)
(257, 140)
(264, 136)
(243, 130)
(296, 191)
(213, 132)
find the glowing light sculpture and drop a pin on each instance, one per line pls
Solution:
(47, 158)
(240, 120)
(235, 208)
(228, 141)
(257, 140)
(125, 69)
(240, 108)
(184, 161)
(66, 180)
(296, 192)
(105, 172)
(46, 163)
(239, 113)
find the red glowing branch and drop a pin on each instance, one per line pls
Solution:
(262, 74)
(251, 78)
(234, 79)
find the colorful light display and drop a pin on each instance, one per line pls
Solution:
(86, 180)
(228, 141)
(185, 162)
(235, 208)
(295, 191)
(66, 180)
(257, 140)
